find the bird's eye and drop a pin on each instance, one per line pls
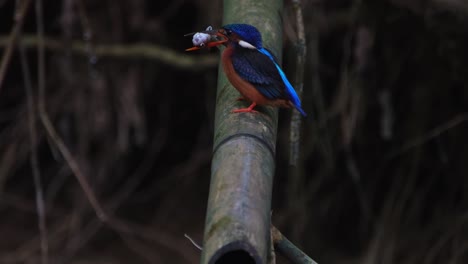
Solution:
(228, 32)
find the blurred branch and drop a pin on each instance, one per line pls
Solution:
(65, 152)
(459, 7)
(131, 51)
(49, 127)
(321, 141)
(9, 42)
(34, 161)
(288, 249)
(296, 179)
(412, 143)
(296, 119)
(32, 124)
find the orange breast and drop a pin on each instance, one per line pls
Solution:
(246, 89)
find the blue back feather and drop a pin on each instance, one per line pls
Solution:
(257, 70)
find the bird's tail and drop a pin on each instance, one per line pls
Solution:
(299, 109)
(303, 113)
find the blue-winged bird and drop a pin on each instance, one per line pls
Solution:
(251, 68)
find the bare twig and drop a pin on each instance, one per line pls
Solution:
(288, 249)
(40, 204)
(296, 120)
(430, 135)
(10, 43)
(132, 51)
(193, 242)
(296, 171)
(72, 163)
(272, 254)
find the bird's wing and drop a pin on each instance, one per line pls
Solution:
(258, 69)
(289, 89)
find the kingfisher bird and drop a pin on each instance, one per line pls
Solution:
(252, 69)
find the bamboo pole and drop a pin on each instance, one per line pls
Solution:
(237, 228)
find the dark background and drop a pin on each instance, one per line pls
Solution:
(383, 170)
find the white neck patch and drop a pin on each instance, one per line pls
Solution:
(246, 45)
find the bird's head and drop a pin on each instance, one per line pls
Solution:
(243, 35)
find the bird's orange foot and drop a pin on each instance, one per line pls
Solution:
(246, 110)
